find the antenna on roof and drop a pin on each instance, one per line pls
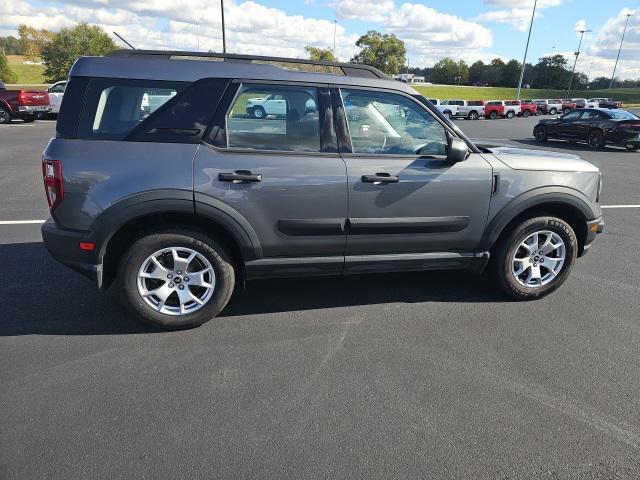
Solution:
(130, 46)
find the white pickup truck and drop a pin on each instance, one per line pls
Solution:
(550, 106)
(471, 109)
(448, 110)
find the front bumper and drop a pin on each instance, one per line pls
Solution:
(594, 228)
(64, 246)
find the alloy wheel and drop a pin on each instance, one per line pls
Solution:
(538, 259)
(176, 281)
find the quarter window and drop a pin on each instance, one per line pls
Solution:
(274, 117)
(386, 123)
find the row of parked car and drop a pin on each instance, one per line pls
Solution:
(28, 105)
(474, 109)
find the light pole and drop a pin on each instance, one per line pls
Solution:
(524, 60)
(618, 57)
(335, 27)
(577, 53)
(224, 40)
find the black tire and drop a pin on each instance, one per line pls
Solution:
(473, 115)
(565, 111)
(632, 148)
(493, 115)
(258, 112)
(508, 245)
(510, 114)
(526, 113)
(29, 118)
(145, 246)
(5, 115)
(553, 111)
(595, 140)
(540, 133)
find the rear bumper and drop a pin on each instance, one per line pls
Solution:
(594, 228)
(64, 246)
(627, 138)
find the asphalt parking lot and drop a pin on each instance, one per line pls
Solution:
(423, 375)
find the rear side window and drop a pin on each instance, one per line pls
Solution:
(274, 117)
(115, 107)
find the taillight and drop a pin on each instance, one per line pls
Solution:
(53, 185)
(22, 97)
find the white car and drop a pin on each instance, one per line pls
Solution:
(56, 92)
(512, 108)
(448, 110)
(550, 106)
(275, 104)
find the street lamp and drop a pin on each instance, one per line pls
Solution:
(618, 57)
(335, 27)
(524, 60)
(577, 53)
(224, 40)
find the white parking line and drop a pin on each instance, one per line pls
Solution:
(20, 222)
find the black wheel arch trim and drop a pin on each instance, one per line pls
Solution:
(533, 198)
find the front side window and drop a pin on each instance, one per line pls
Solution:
(274, 117)
(590, 115)
(572, 115)
(387, 123)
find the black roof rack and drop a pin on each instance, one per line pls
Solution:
(347, 69)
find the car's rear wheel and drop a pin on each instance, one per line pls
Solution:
(493, 115)
(540, 132)
(565, 111)
(176, 278)
(5, 116)
(526, 113)
(258, 112)
(535, 257)
(596, 140)
(473, 115)
(510, 114)
(553, 111)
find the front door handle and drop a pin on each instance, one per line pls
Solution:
(380, 178)
(240, 176)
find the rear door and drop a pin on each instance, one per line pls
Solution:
(404, 195)
(570, 124)
(279, 175)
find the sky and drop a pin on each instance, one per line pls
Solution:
(432, 29)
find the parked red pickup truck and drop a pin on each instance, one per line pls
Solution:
(528, 107)
(22, 104)
(568, 105)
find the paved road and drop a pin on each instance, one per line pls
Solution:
(424, 375)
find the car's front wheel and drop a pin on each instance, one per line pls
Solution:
(176, 278)
(553, 111)
(540, 132)
(493, 115)
(473, 115)
(535, 257)
(526, 113)
(510, 114)
(258, 112)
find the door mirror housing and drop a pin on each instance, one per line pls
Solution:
(458, 150)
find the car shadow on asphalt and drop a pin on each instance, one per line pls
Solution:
(42, 297)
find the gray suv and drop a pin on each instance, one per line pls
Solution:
(163, 180)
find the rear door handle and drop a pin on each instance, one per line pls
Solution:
(380, 178)
(240, 176)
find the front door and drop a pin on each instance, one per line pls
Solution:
(278, 173)
(569, 126)
(404, 195)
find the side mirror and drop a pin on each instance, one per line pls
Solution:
(458, 150)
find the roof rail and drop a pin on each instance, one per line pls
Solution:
(347, 69)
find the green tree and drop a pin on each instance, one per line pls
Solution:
(476, 72)
(71, 43)
(385, 52)
(449, 72)
(463, 73)
(511, 74)
(552, 72)
(6, 74)
(493, 72)
(320, 54)
(10, 45)
(33, 40)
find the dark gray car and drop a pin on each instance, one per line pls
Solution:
(165, 179)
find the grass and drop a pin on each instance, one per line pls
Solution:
(444, 92)
(27, 74)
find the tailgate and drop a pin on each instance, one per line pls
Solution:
(33, 98)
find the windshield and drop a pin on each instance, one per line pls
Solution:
(622, 115)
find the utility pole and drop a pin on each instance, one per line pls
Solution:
(619, 49)
(577, 53)
(524, 60)
(198, 35)
(224, 40)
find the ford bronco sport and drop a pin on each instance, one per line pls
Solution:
(162, 181)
